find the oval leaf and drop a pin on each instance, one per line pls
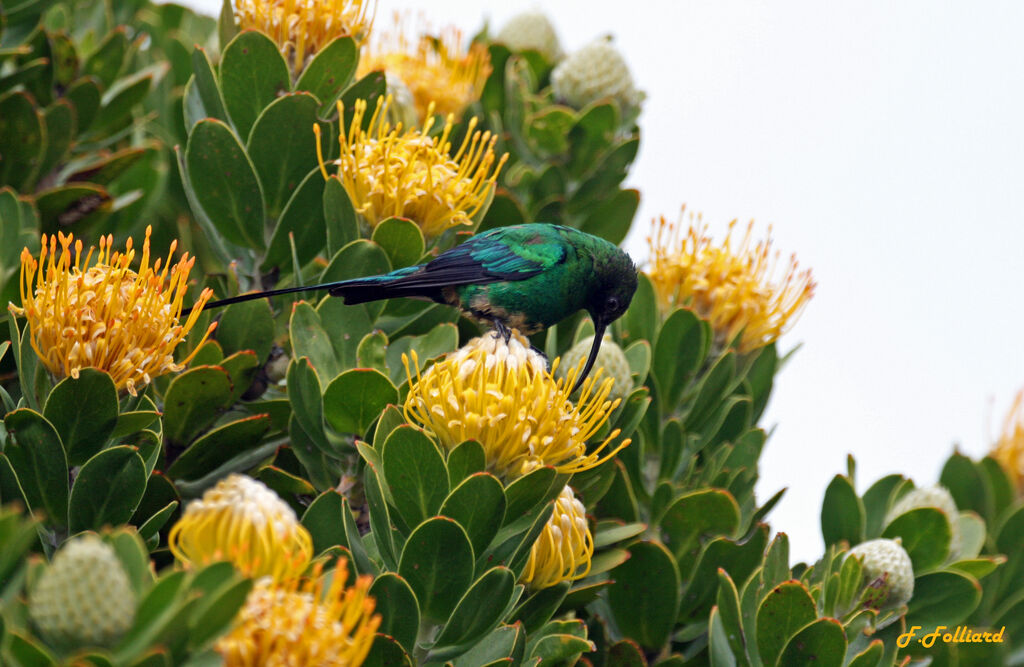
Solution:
(224, 182)
(478, 504)
(398, 608)
(252, 75)
(84, 412)
(415, 473)
(107, 490)
(36, 455)
(781, 614)
(437, 561)
(645, 596)
(822, 644)
(283, 147)
(356, 398)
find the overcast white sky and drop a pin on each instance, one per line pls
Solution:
(884, 141)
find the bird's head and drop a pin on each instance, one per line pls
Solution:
(611, 292)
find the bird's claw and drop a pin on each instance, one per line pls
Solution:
(501, 330)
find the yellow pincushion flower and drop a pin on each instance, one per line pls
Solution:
(564, 549)
(242, 521)
(390, 172)
(730, 286)
(104, 315)
(300, 28)
(437, 68)
(1009, 449)
(502, 395)
(300, 622)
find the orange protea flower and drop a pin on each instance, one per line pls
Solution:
(729, 286)
(242, 521)
(564, 550)
(390, 172)
(104, 315)
(303, 622)
(437, 69)
(1009, 449)
(300, 28)
(502, 395)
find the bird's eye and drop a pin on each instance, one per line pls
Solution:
(612, 303)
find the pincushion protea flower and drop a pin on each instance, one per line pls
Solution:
(242, 521)
(595, 72)
(301, 28)
(304, 622)
(564, 549)
(443, 75)
(104, 315)
(888, 571)
(390, 172)
(729, 285)
(1009, 449)
(502, 395)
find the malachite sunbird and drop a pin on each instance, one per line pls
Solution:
(525, 277)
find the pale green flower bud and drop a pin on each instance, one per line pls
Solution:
(83, 598)
(610, 357)
(595, 72)
(531, 30)
(888, 570)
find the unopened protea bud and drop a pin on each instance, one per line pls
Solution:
(595, 72)
(531, 30)
(888, 572)
(610, 357)
(938, 497)
(83, 598)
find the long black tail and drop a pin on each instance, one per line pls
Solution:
(263, 295)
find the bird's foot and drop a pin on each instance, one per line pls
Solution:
(501, 330)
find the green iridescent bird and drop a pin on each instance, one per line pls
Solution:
(525, 277)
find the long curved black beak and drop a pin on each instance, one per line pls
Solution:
(599, 328)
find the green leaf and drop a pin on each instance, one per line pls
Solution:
(84, 94)
(79, 204)
(283, 147)
(415, 473)
(478, 612)
(541, 606)
(310, 340)
(696, 515)
(361, 562)
(302, 222)
(84, 412)
(822, 643)
(728, 609)
(677, 352)
(711, 391)
(157, 521)
(224, 182)
(926, 535)
(478, 504)
(205, 83)
(465, 459)
(339, 216)
(307, 400)
(23, 140)
(965, 483)
(645, 596)
(401, 239)
(106, 61)
(354, 399)
(437, 561)
(386, 652)
(782, 613)
(219, 446)
(216, 611)
(61, 128)
(504, 646)
(877, 500)
(525, 494)
(554, 647)
(107, 490)
(252, 75)
(612, 218)
(324, 522)
(842, 513)
(241, 368)
(371, 351)
(27, 653)
(330, 71)
(380, 516)
(943, 597)
(248, 325)
(977, 567)
(194, 400)
(36, 455)
(869, 657)
(398, 608)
